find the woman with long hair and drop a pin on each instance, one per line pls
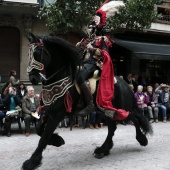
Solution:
(12, 78)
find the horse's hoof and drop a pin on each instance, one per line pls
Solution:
(56, 140)
(99, 156)
(142, 140)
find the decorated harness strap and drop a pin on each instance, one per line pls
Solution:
(33, 64)
(51, 92)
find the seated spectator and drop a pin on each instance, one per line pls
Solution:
(5, 89)
(22, 90)
(151, 100)
(140, 99)
(2, 111)
(94, 120)
(11, 101)
(30, 106)
(163, 100)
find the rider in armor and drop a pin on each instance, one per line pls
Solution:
(96, 56)
(92, 60)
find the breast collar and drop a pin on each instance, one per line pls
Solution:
(51, 92)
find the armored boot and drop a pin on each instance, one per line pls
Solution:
(85, 91)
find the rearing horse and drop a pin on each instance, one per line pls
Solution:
(57, 59)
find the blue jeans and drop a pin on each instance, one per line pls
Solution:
(94, 118)
(2, 114)
(163, 109)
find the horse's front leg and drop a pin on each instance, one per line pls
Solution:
(46, 138)
(102, 151)
(55, 139)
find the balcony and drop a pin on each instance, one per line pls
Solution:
(162, 25)
(19, 7)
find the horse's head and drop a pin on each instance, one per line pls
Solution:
(37, 61)
(51, 58)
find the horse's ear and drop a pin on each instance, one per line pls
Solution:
(31, 38)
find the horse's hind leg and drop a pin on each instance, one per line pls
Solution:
(102, 151)
(35, 160)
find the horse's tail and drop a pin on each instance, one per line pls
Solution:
(144, 124)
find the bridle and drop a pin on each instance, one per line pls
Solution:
(50, 92)
(33, 64)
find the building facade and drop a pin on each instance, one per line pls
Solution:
(17, 17)
(145, 52)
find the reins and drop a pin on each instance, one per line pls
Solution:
(46, 79)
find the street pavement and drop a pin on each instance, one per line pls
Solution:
(77, 153)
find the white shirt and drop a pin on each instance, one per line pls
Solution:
(32, 99)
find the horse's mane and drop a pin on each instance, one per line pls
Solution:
(68, 53)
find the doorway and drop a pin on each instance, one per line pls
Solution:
(9, 52)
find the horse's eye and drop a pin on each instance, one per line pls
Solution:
(37, 55)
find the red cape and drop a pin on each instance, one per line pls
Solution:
(105, 91)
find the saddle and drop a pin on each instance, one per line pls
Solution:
(92, 82)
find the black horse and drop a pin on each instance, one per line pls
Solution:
(57, 59)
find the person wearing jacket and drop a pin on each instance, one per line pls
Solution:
(22, 90)
(12, 79)
(2, 111)
(30, 105)
(164, 99)
(11, 101)
(151, 100)
(140, 99)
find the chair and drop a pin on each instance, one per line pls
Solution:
(74, 118)
(9, 120)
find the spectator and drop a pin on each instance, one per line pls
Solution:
(132, 87)
(151, 100)
(143, 80)
(164, 100)
(12, 79)
(5, 89)
(30, 105)
(2, 111)
(128, 78)
(134, 81)
(121, 76)
(94, 120)
(156, 85)
(140, 99)
(11, 101)
(22, 90)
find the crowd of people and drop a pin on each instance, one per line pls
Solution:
(153, 100)
(17, 102)
(20, 102)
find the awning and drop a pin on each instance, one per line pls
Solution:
(143, 50)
